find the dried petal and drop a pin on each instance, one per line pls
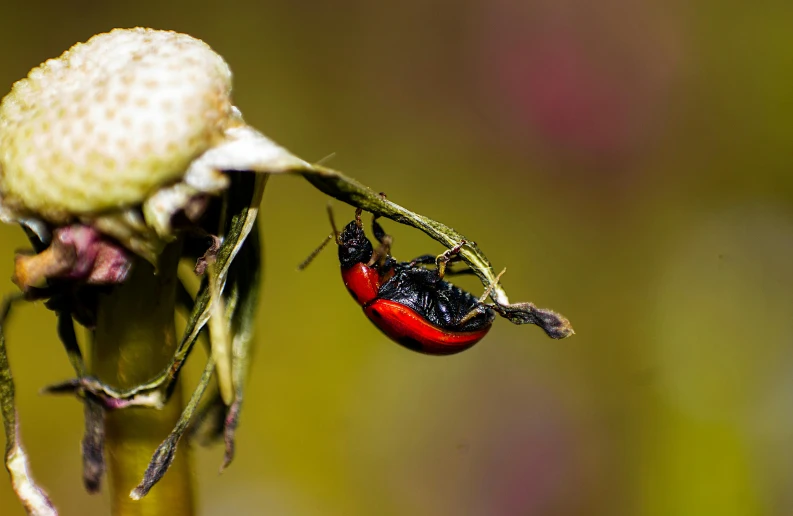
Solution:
(77, 252)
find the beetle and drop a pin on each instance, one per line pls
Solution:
(412, 305)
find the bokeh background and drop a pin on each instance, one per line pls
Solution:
(628, 161)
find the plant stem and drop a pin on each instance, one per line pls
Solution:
(134, 341)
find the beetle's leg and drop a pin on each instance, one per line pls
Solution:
(481, 307)
(451, 272)
(492, 285)
(378, 231)
(424, 259)
(427, 259)
(383, 251)
(447, 256)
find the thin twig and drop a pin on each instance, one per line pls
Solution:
(33, 498)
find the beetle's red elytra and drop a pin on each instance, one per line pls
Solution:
(363, 282)
(406, 327)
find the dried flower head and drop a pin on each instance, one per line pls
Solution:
(110, 121)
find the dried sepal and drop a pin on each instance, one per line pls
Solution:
(209, 423)
(242, 294)
(76, 253)
(216, 419)
(220, 338)
(555, 325)
(164, 455)
(93, 445)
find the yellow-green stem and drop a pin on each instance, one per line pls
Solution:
(134, 341)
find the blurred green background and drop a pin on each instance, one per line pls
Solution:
(628, 161)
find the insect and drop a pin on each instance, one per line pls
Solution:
(413, 305)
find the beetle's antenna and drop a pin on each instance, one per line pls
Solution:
(333, 236)
(315, 252)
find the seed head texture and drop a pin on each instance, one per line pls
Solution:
(110, 121)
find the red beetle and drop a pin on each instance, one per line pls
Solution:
(411, 304)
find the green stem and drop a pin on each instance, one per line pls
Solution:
(134, 340)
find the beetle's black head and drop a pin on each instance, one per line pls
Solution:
(354, 247)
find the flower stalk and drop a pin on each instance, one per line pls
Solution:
(134, 340)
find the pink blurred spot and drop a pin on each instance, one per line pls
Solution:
(584, 81)
(568, 99)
